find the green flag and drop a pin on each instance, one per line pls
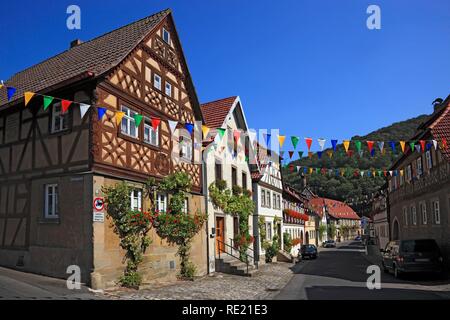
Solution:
(47, 101)
(412, 145)
(138, 118)
(221, 132)
(295, 141)
(300, 154)
(358, 145)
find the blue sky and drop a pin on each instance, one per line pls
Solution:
(309, 68)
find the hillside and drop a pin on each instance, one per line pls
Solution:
(349, 188)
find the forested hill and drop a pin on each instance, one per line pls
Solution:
(348, 187)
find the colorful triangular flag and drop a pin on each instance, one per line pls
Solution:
(138, 119)
(308, 143)
(65, 104)
(172, 125)
(155, 123)
(334, 144)
(205, 131)
(28, 96)
(10, 91)
(83, 109)
(295, 141)
(346, 144)
(281, 140)
(189, 127)
(100, 112)
(47, 101)
(321, 143)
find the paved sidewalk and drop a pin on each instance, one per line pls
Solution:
(265, 284)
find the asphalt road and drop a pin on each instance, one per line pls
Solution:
(340, 274)
(16, 285)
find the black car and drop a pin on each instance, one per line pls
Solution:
(308, 250)
(329, 244)
(407, 256)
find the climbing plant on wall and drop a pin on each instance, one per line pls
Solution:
(176, 225)
(132, 228)
(236, 202)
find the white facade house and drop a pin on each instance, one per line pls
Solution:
(268, 196)
(224, 159)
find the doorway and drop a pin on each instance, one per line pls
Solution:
(220, 234)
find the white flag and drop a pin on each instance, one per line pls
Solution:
(172, 125)
(321, 143)
(84, 109)
(435, 143)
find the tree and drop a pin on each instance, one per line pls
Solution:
(321, 231)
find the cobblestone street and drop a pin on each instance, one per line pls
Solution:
(265, 284)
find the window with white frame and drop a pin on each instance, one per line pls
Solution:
(278, 202)
(423, 212)
(268, 204)
(136, 200)
(269, 231)
(413, 215)
(428, 159)
(436, 212)
(168, 89)
(60, 120)
(186, 206)
(161, 202)
(419, 166)
(157, 81)
(408, 173)
(405, 216)
(274, 200)
(151, 136)
(166, 36)
(186, 148)
(51, 210)
(263, 197)
(129, 123)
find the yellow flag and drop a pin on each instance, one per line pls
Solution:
(205, 130)
(330, 153)
(119, 117)
(28, 97)
(402, 144)
(281, 140)
(346, 145)
(401, 173)
(310, 170)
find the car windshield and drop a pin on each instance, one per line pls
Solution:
(419, 246)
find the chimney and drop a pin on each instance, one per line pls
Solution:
(75, 43)
(438, 105)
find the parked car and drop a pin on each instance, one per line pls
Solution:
(308, 250)
(407, 256)
(358, 238)
(329, 244)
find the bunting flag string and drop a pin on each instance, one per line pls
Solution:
(308, 143)
(295, 141)
(281, 140)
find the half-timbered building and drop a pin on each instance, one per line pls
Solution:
(54, 164)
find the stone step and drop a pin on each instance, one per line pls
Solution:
(234, 266)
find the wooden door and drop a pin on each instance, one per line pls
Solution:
(220, 234)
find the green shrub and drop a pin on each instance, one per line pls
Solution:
(287, 239)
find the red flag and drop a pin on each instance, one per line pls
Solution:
(65, 104)
(291, 153)
(350, 153)
(422, 145)
(155, 123)
(370, 145)
(291, 168)
(385, 173)
(237, 135)
(308, 143)
(444, 143)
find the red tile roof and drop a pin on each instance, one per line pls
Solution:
(336, 209)
(215, 112)
(96, 57)
(440, 130)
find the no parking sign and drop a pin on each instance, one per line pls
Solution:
(99, 204)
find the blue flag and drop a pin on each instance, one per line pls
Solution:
(319, 154)
(334, 143)
(101, 112)
(267, 138)
(189, 127)
(392, 144)
(10, 91)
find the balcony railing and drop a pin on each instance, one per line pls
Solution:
(427, 181)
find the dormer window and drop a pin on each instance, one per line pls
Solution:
(166, 36)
